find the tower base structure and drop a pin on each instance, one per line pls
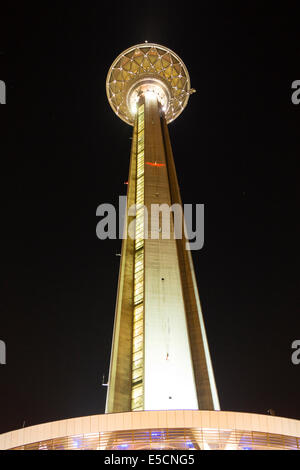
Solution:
(188, 430)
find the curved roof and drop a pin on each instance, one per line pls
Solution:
(197, 420)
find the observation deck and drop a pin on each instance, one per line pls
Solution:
(148, 68)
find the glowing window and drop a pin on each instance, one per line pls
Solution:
(137, 391)
(138, 320)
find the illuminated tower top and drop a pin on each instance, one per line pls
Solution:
(148, 68)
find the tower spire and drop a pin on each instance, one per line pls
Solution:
(160, 357)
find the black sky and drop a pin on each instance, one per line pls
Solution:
(64, 152)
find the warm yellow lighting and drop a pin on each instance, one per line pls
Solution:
(137, 394)
(151, 95)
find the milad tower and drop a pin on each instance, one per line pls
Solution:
(161, 388)
(160, 357)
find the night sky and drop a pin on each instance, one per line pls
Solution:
(64, 152)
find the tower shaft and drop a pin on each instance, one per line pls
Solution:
(160, 357)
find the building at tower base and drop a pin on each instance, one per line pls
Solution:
(160, 430)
